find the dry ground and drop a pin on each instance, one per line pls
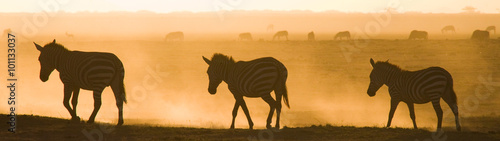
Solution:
(47, 128)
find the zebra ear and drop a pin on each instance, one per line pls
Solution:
(372, 62)
(38, 46)
(54, 41)
(206, 60)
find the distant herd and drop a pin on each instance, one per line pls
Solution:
(346, 35)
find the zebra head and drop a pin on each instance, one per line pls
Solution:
(213, 75)
(217, 70)
(375, 80)
(46, 59)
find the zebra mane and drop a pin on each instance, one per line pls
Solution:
(222, 57)
(388, 65)
(55, 46)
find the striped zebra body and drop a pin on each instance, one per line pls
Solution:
(84, 70)
(423, 86)
(93, 71)
(426, 85)
(256, 78)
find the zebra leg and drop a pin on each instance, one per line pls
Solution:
(97, 105)
(74, 102)
(439, 112)
(394, 105)
(412, 114)
(245, 109)
(67, 95)
(272, 105)
(278, 109)
(235, 112)
(454, 108)
(117, 90)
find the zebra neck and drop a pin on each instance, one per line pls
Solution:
(228, 72)
(392, 76)
(61, 60)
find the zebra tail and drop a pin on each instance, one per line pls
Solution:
(285, 97)
(124, 96)
(122, 85)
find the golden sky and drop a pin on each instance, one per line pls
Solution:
(165, 6)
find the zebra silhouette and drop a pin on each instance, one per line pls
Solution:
(411, 87)
(279, 34)
(310, 36)
(270, 28)
(256, 78)
(69, 35)
(172, 36)
(492, 28)
(86, 70)
(448, 29)
(343, 34)
(245, 36)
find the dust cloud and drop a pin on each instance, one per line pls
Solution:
(166, 82)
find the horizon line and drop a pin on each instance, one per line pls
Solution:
(265, 10)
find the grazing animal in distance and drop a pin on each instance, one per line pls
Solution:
(254, 79)
(69, 35)
(415, 34)
(492, 28)
(419, 87)
(480, 35)
(310, 36)
(343, 34)
(178, 35)
(245, 36)
(270, 28)
(83, 70)
(448, 29)
(279, 34)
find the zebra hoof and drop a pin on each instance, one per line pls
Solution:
(120, 122)
(75, 119)
(269, 127)
(90, 121)
(459, 128)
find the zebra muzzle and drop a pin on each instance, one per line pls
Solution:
(212, 91)
(44, 79)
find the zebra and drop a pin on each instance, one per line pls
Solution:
(256, 78)
(430, 84)
(415, 34)
(310, 36)
(279, 34)
(270, 28)
(86, 70)
(69, 35)
(245, 36)
(448, 28)
(492, 28)
(343, 34)
(480, 35)
(178, 35)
